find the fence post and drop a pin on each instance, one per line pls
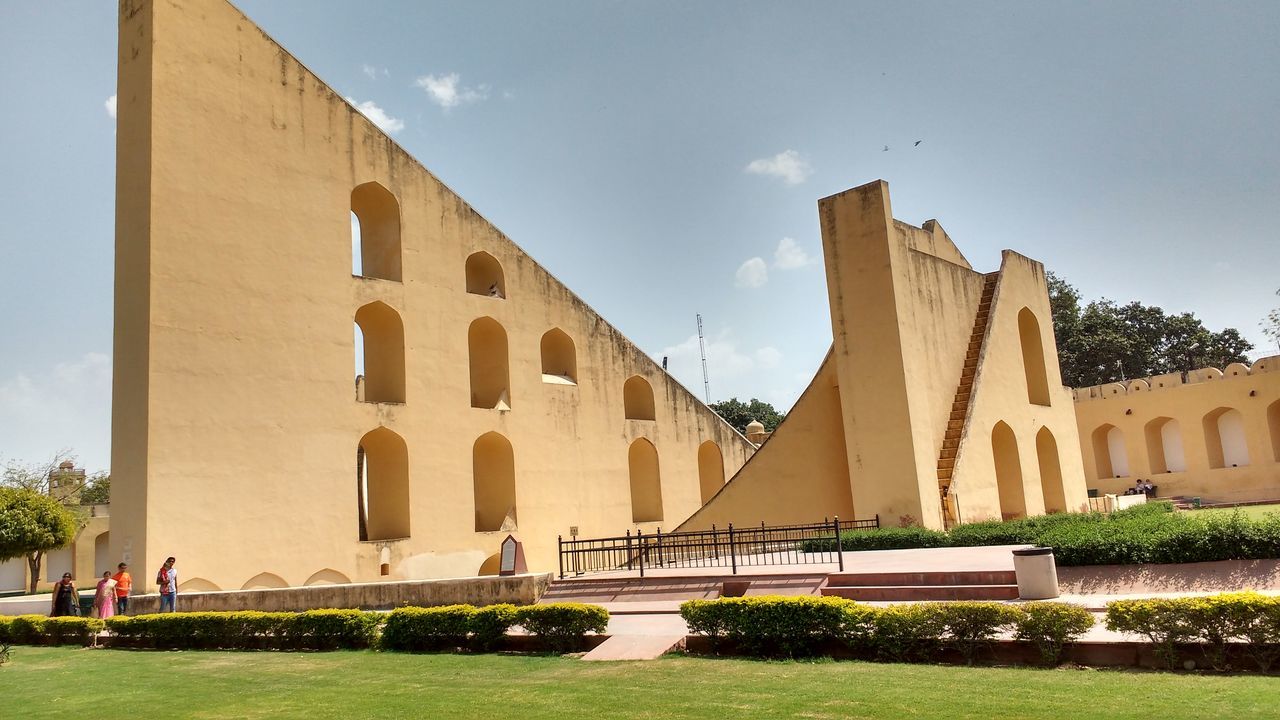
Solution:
(877, 521)
(629, 556)
(640, 542)
(733, 555)
(835, 525)
(560, 553)
(659, 547)
(715, 543)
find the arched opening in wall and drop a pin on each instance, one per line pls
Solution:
(327, 576)
(490, 379)
(1004, 450)
(198, 584)
(559, 358)
(57, 562)
(646, 482)
(637, 399)
(1033, 357)
(491, 565)
(102, 555)
(1224, 438)
(1055, 494)
(493, 472)
(382, 485)
(484, 275)
(375, 232)
(379, 354)
(710, 470)
(1109, 455)
(1164, 445)
(1273, 424)
(264, 581)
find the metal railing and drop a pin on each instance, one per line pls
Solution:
(731, 547)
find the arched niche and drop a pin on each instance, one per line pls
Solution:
(1051, 485)
(264, 581)
(491, 565)
(327, 576)
(1008, 466)
(1033, 365)
(382, 482)
(493, 470)
(646, 482)
(376, 232)
(380, 354)
(198, 584)
(559, 358)
(1273, 425)
(1224, 438)
(637, 399)
(485, 276)
(710, 470)
(487, 353)
(1164, 445)
(1110, 457)
(102, 555)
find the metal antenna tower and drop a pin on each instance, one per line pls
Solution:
(702, 347)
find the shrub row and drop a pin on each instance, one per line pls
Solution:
(248, 630)
(1150, 533)
(793, 626)
(41, 630)
(1247, 618)
(557, 626)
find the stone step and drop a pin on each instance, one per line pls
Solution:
(948, 453)
(946, 462)
(926, 577)
(944, 473)
(916, 593)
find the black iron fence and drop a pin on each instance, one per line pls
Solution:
(731, 547)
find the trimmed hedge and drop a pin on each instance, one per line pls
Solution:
(1215, 621)
(1149, 533)
(562, 627)
(795, 626)
(41, 630)
(248, 630)
(418, 629)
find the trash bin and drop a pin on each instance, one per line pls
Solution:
(1195, 502)
(1093, 492)
(1036, 572)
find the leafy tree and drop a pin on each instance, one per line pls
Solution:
(97, 489)
(738, 414)
(31, 524)
(1271, 324)
(1105, 342)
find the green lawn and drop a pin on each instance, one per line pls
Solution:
(1253, 512)
(95, 683)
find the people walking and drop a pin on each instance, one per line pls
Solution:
(66, 599)
(104, 600)
(124, 585)
(167, 580)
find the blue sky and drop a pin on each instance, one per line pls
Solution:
(665, 159)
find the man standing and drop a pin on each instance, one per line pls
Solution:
(167, 579)
(124, 583)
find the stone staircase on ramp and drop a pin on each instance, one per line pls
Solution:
(962, 399)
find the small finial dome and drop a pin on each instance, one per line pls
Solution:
(754, 427)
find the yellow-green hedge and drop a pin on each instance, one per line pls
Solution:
(310, 630)
(41, 630)
(1247, 618)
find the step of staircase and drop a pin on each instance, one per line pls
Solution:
(933, 577)
(917, 593)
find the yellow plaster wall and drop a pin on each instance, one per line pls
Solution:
(799, 476)
(235, 419)
(1131, 406)
(1000, 395)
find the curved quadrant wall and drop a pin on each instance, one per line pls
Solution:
(1164, 445)
(1224, 438)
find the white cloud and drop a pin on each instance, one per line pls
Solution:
(447, 91)
(378, 116)
(790, 255)
(110, 105)
(752, 274)
(733, 372)
(374, 72)
(788, 165)
(66, 406)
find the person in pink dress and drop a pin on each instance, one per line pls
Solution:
(104, 602)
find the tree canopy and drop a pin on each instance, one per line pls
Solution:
(1105, 342)
(33, 523)
(738, 414)
(1271, 324)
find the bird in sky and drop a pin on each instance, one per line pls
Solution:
(917, 143)
(886, 149)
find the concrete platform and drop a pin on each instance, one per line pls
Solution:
(635, 647)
